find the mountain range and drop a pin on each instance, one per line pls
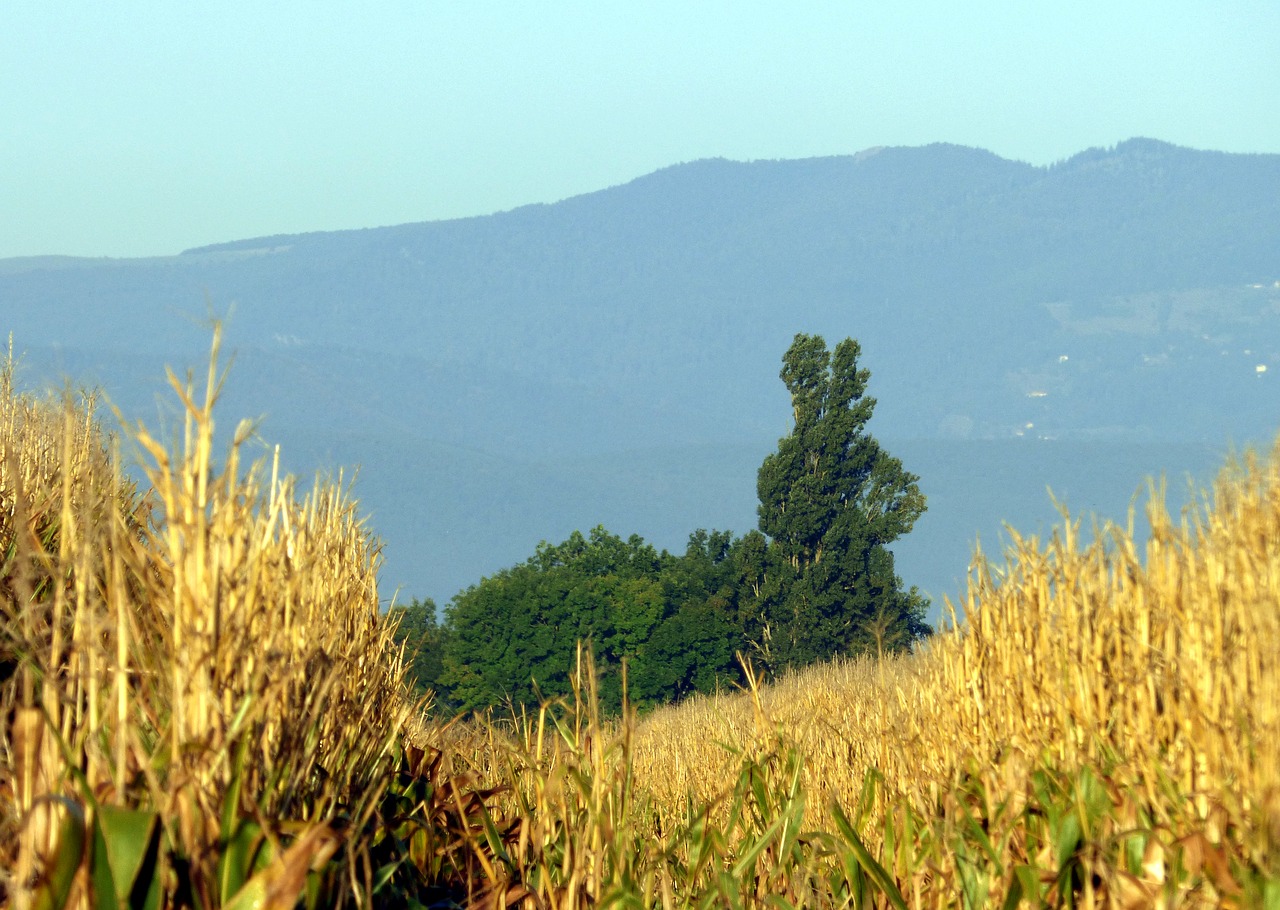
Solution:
(613, 358)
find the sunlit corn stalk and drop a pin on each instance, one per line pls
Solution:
(1160, 665)
(210, 652)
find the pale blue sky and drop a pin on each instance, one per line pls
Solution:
(137, 127)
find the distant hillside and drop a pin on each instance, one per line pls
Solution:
(613, 357)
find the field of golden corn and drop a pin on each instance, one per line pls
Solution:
(202, 706)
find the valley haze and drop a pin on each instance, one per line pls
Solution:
(613, 358)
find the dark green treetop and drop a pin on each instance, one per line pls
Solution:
(673, 620)
(514, 636)
(419, 631)
(693, 646)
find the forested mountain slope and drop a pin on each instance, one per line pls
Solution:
(613, 358)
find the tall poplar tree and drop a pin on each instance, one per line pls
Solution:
(831, 502)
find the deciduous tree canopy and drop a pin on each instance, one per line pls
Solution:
(514, 637)
(816, 580)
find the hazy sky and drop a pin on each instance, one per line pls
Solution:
(134, 127)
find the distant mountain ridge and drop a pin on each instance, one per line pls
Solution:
(1124, 296)
(881, 196)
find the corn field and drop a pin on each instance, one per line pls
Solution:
(202, 706)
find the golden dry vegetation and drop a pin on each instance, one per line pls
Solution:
(1162, 665)
(208, 655)
(1159, 670)
(202, 706)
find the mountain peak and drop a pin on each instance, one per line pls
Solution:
(1136, 150)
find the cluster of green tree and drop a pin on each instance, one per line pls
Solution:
(419, 632)
(816, 580)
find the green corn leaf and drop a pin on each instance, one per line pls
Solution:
(730, 891)
(891, 841)
(975, 885)
(237, 833)
(1014, 897)
(1133, 848)
(1024, 885)
(858, 881)
(755, 776)
(1271, 895)
(976, 834)
(1027, 883)
(317, 895)
(868, 862)
(793, 818)
(908, 861)
(130, 842)
(101, 882)
(1094, 801)
(246, 852)
(748, 859)
(1066, 840)
(493, 839)
(383, 875)
(252, 896)
(867, 798)
(420, 852)
(60, 872)
(231, 802)
(282, 882)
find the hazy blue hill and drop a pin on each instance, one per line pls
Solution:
(614, 357)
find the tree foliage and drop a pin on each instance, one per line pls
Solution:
(692, 648)
(816, 580)
(514, 636)
(419, 631)
(832, 500)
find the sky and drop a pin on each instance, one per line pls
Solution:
(145, 127)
